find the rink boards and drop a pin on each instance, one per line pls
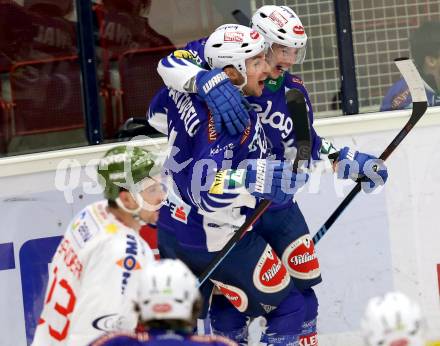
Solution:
(382, 242)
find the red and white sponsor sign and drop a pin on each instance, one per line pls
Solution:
(270, 275)
(298, 29)
(254, 35)
(309, 340)
(236, 296)
(233, 36)
(300, 259)
(278, 18)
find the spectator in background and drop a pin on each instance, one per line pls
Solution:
(16, 34)
(123, 25)
(168, 305)
(425, 50)
(55, 33)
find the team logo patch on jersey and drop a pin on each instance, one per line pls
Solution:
(179, 210)
(233, 36)
(270, 275)
(300, 259)
(236, 296)
(298, 29)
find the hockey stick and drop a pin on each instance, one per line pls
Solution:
(298, 111)
(420, 104)
(240, 17)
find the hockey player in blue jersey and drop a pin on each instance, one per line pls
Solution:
(425, 50)
(168, 304)
(283, 226)
(217, 190)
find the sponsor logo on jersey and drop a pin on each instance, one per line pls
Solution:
(129, 262)
(254, 35)
(246, 133)
(235, 295)
(278, 19)
(270, 275)
(179, 210)
(217, 149)
(212, 134)
(83, 228)
(108, 323)
(309, 340)
(217, 186)
(276, 120)
(298, 29)
(400, 98)
(300, 259)
(70, 258)
(297, 80)
(233, 36)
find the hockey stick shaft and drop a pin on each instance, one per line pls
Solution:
(418, 94)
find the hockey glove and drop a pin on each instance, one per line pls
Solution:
(355, 165)
(273, 180)
(224, 100)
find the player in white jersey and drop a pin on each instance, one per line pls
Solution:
(394, 320)
(93, 277)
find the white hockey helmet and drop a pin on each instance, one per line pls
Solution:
(232, 44)
(280, 24)
(168, 290)
(392, 320)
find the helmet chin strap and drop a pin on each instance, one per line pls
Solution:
(134, 212)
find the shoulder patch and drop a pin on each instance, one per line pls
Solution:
(183, 54)
(83, 228)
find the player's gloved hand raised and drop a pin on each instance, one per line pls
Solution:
(225, 101)
(355, 165)
(273, 180)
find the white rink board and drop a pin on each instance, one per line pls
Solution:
(381, 242)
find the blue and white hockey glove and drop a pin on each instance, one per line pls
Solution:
(273, 180)
(355, 165)
(224, 100)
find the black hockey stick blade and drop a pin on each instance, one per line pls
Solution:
(303, 153)
(240, 17)
(416, 87)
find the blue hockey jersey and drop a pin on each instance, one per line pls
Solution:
(160, 338)
(208, 205)
(399, 97)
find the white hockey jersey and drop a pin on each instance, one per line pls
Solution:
(92, 280)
